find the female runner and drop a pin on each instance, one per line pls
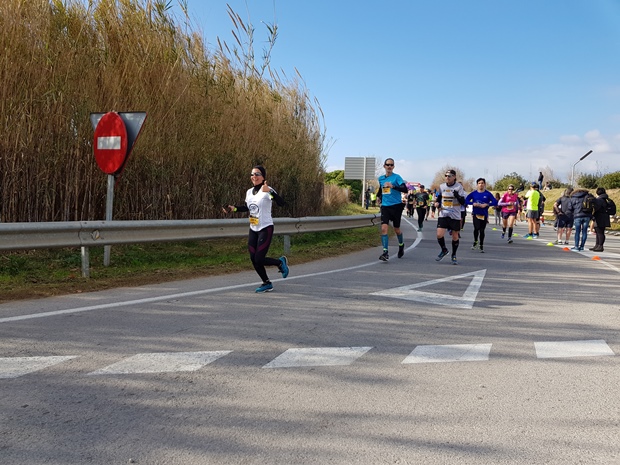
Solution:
(258, 202)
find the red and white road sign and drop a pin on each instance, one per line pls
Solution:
(111, 142)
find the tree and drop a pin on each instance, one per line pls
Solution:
(353, 185)
(513, 178)
(468, 183)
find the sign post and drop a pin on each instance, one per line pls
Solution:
(359, 168)
(115, 137)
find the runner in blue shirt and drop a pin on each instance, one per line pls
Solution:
(390, 187)
(481, 199)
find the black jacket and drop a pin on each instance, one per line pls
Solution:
(575, 206)
(600, 214)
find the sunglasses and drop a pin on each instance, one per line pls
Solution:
(256, 174)
(511, 188)
(449, 175)
(389, 164)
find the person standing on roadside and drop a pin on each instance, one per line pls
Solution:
(601, 219)
(497, 210)
(421, 206)
(391, 186)
(581, 217)
(564, 224)
(480, 199)
(532, 197)
(258, 202)
(449, 200)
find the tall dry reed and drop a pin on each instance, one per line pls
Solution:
(212, 114)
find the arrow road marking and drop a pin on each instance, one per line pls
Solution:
(467, 300)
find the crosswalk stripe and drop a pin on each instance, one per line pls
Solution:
(14, 367)
(449, 353)
(318, 356)
(162, 362)
(560, 349)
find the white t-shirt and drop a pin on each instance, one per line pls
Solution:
(450, 207)
(259, 205)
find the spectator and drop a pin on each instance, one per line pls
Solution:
(601, 219)
(581, 218)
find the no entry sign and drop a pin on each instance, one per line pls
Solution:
(110, 143)
(115, 136)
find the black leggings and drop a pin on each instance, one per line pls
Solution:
(600, 236)
(479, 227)
(421, 211)
(258, 246)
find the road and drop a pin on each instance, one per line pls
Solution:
(509, 357)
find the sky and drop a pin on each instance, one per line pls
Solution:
(489, 86)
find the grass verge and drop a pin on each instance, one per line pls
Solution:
(44, 273)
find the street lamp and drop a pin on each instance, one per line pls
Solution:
(572, 183)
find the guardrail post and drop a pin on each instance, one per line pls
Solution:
(287, 244)
(85, 262)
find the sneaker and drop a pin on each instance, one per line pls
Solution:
(266, 287)
(565, 242)
(503, 234)
(510, 240)
(527, 236)
(580, 249)
(481, 249)
(401, 251)
(384, 256)
(576, 249)
(475, 246)
(454, 261)
(420, 230)
(283, 266)
(442, 254)
(534, 236)
(558, 241)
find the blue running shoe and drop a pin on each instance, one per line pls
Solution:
(283, 266)
(443, 253)
(454, 261)
(266, 287)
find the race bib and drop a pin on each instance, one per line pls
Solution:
(480, 217)
(447, 202)
(254, 220)
(386, 190)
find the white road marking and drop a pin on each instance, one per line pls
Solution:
(560, 349)
(449, 353)
(13, 367)
(320, 356)
(165, 362)
(467, 300)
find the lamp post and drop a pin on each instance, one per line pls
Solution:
(572, 183)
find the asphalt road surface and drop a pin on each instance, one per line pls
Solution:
(510, 357)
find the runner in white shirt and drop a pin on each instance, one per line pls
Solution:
(258, 202)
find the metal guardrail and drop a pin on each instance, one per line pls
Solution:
(21, 236)
(85, 234)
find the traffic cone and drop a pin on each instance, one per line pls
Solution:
(596, 257)
(566, 249)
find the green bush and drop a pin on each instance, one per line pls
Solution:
(588, 181)
(610, 181)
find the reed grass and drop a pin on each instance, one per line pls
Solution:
(212, 114)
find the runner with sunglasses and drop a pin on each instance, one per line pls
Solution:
(258, 202)
(390, 187)
(510, 207)
(449, 200)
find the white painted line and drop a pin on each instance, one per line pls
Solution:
(467, 300)
(109, 142)
(560, 349)
(162, 363)
(320, 356)
(449, 353)
(13, 367)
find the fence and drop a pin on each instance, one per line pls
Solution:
(86, 234)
